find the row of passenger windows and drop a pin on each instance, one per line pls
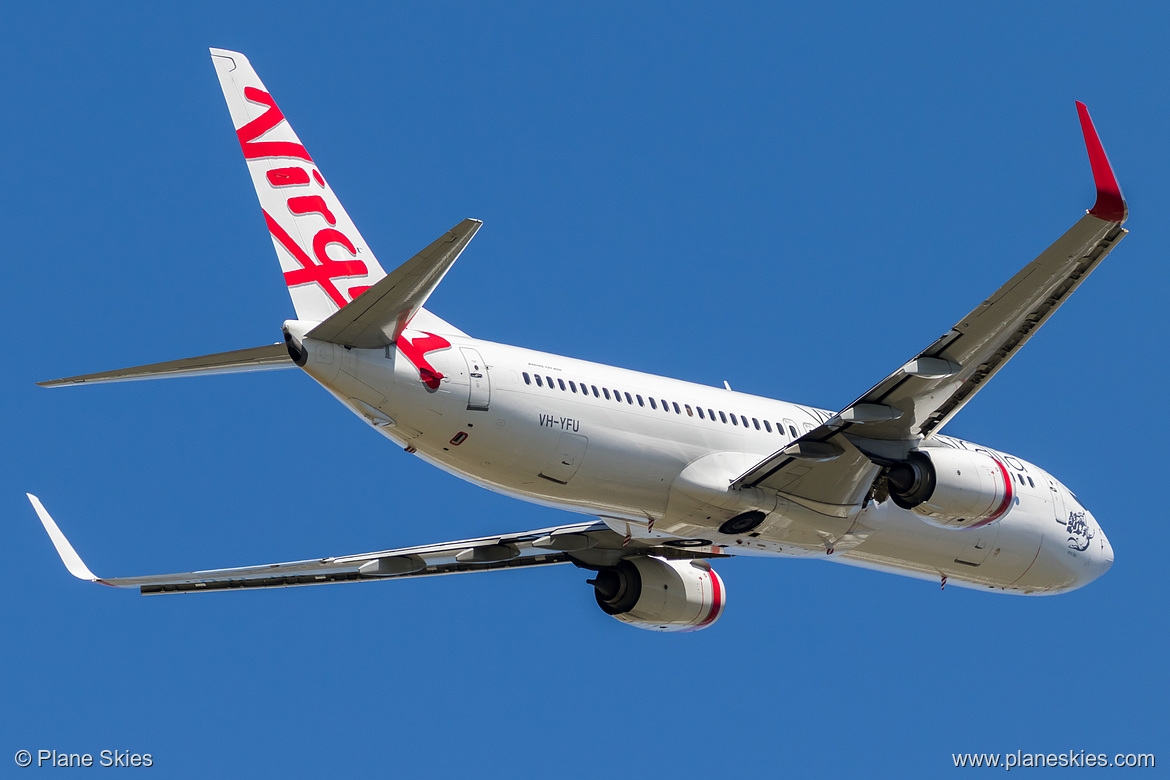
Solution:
(662, 404)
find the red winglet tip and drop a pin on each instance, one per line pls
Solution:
(1110, 204)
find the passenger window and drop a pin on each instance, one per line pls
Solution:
(538, 382)
(1030, 482)
(733, 420)
(699, 409)
(767, 426)
(711, 414)
(629, 399)
(689, 412)
(653, 405)
(572, 385)
(676, 409)
(551, 384)
(792, 430)
(595, 393)
(617, 396)
(756, 423)
(606, 391)
(640, 401)
(561, 382)
(745, 421)
(527, 379)
(722, 417)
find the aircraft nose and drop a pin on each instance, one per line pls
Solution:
(1072, 558)
(1106, 552)
(1100, 551)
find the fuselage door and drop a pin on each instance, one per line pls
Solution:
(480, 392)
(1057, 500)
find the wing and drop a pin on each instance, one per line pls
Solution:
(590, 544)
(832, 467)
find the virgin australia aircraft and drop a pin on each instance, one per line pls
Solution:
(672, 475)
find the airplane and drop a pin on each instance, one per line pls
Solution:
(671, 475)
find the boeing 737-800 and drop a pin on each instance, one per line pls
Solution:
(672, 476)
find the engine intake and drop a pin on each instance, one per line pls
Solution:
(952, 488)
(661, 595)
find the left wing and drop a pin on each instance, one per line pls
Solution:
(831, 468)
(591, 544)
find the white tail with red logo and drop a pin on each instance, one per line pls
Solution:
(325, 260)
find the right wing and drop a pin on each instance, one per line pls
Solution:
(832, 467)
(592, 544)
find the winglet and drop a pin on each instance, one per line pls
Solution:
(1110, 205)
(68, 555)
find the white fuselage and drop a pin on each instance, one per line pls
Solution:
(599, 442)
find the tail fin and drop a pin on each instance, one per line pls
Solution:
(326, 262)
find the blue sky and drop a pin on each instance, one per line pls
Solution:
(791, 197)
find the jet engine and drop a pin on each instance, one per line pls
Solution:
(951, 488)
(661, 595)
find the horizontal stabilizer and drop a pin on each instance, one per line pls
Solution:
(379, 315)
(266, 358)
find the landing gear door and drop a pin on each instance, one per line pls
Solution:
(480, 392)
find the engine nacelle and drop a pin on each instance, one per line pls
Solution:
(661, 595)
(951, 488)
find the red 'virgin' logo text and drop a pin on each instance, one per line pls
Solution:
(320, 269)
(253, 149)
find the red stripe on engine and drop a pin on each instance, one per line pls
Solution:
(1009, 494)
(716, 601)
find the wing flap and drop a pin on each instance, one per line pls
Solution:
(831, 486)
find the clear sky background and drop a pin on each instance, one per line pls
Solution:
(792, 197)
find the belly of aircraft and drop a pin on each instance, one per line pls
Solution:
(557, 456)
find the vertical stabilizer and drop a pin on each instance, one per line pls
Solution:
(325, 260)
